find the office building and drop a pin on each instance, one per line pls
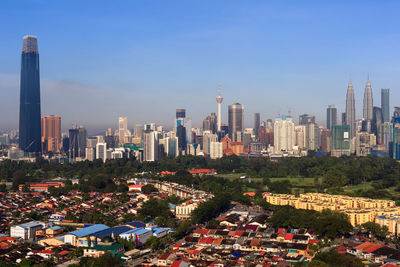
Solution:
(300, 136)
(340, 140)
(306, 118)
(235, 119)
(325, 140)
(331, 116)
(90, 151)
(210, 123)
(51, 134)
(283, 134)
(208, 138)
(396, 138)
(77, 142)
(364, 143)
(377, 120)
(350, 110)
(368, 102)
(171, 147)
(312, 136)
(29, 109)
(219, 101)
(122, 129)
(385, 104)
(150, 146)
(257, 123)
(138, 130)
(101, 151)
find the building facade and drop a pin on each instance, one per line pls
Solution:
(235, 119)
(51, 134)
(29, 112)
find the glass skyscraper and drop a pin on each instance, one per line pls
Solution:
(385, 104)
(29, 113)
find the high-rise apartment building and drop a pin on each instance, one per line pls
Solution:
(368, 102)
(210, 123)
(138, 130)
(257, 123)
(326, 140)
(385, 104)
(283, 134)
(216, 150)
(350, 111)
(331, 116)
(29, 109)
(235, 119)
(51, 134)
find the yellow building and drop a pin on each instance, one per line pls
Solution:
(360, 210)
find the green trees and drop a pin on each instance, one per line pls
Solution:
(148, 189)
(210, 209)
(332, 259)
(107, 259)
(379, 232)
(326, 223)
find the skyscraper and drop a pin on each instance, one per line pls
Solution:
(350, 110)
(219, 101)
(122, 129)
(180, 113)
(283, 134)
(377, 121)
(331, 116)
(235, 119)
(29, 112)
(306, 119)
(256, 123)
(385, 104)
(340, 140)
(368, 102)
(77, 142)
(210, 123)
(51, 134)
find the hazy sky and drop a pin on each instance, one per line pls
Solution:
(143, 59)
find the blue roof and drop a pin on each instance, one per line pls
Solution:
(115, 230)
(89, 230)
(171, 206)
(137, 231)
(55, 228)
(159, 230)
(136, 224)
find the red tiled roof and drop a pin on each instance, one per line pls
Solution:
(281, 230)
(288, 236)
(198, 171)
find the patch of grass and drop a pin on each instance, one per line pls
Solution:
(362, 186)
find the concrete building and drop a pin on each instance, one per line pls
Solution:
(216, 151)
(51, 134)
(364, 143)
(331, 116)
(283, 134)
(122, 129)
(350, 115)
(26, 231)
(150, 143)
(101, 151)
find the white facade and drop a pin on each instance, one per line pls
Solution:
(150, 150)
(300, 136)
(25, 231)
(122, 129)
(208, 138)
(283, 134)
(216, 150)
(101, 151)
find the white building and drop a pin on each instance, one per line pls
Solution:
(216, 150)
(283, 134)
(150, 142)
(25, 231)
(300, 136)
(184, 210)
(208, 138)
(101, 151)
(122, 129)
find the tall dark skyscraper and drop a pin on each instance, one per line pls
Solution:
(306, 119)
(180, 113)
(331, 116)
(235, 119)
(385, 104)
(29, 108)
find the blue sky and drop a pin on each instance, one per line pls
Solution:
(143, 59)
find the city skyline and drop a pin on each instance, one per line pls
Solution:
(264, 82)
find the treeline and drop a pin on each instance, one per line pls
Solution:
(329, 172)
